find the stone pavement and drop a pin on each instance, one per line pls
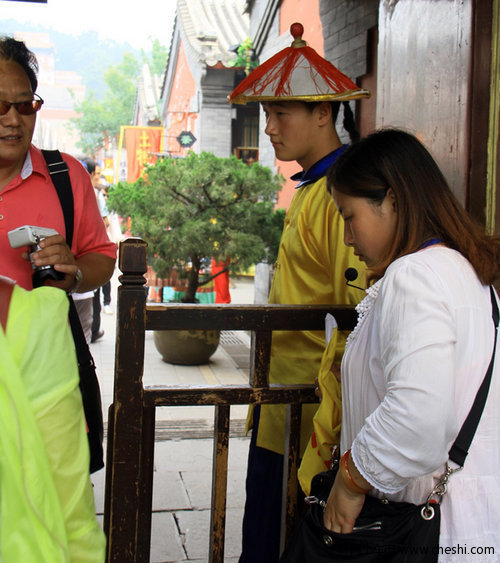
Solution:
(183, 448)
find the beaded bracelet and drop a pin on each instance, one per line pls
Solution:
(347, 477)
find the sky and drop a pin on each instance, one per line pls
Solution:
(133, 21)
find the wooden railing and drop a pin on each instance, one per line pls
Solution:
(131, 420)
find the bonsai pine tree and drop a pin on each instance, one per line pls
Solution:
(202, 206)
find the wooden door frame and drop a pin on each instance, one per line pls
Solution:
(484, 106)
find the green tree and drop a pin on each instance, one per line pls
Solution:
(202, 206)
(245, 56)
(102, 119)
(158, 58)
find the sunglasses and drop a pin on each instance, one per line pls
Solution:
(23, 108)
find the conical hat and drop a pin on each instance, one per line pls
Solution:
(296, 73)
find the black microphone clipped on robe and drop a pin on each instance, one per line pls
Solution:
(350, 275)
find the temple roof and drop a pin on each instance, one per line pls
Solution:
(213, 27)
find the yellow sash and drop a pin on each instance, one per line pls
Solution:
(326, 421)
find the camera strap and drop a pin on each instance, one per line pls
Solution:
(59, 174)
(89, 385)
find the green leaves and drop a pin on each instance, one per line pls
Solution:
(245, 57)
(202, 206)
(101, 119)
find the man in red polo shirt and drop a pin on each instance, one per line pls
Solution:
(28, 197)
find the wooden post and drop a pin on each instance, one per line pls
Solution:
(124, 459)
(290, 467)
(219, 484)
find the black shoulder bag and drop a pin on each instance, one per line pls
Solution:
(385, 531)
(89, 384)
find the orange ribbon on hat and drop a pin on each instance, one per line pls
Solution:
(297, 73)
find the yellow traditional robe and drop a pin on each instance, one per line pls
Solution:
(310, 268)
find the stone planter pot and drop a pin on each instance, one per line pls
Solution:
(186, 347)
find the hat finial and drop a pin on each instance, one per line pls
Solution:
(297, 30)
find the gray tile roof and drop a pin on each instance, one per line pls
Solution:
(212, 27)
(148, 94)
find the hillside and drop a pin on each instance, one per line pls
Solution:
(85, 54)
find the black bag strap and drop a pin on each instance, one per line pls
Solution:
(460, 449)
(83, 354)
(89, 384)
(6, 289)
(59, 173)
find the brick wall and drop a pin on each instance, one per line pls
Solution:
(345, 32)
(216, 112)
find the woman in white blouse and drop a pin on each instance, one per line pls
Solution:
(423, 343)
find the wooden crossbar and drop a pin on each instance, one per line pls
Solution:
(131, 420)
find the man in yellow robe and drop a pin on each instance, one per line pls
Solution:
(312, 259)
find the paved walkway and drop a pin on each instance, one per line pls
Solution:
(183, 449)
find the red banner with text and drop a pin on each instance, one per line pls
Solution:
(142, 145)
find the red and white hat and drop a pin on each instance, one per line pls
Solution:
(296, 73)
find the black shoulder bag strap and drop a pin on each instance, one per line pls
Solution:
(59, 173)
(6, 289)
(89, 384)
(460, 449)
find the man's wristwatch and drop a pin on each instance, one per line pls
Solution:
(78, 281)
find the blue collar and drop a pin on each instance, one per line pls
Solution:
(430, 242)
(318, 170)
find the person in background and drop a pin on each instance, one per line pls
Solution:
(84, 307)
(47, 503)
(108, 218)
(115, 234)
(28, 196)
(95, 175)
(422, 345)
(84, 302)
(300, 123)
(221, 281)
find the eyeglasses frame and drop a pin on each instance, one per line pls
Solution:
(36, 104)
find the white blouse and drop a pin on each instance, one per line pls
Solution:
(410, 374)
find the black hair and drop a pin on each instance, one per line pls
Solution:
(89, 163)
(348, 123)
(426, 206)
(13, 50)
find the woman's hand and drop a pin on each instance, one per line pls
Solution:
(342, 507)
(346, 498)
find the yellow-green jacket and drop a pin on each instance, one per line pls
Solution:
(47, 504)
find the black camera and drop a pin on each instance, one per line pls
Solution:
(30, 236)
